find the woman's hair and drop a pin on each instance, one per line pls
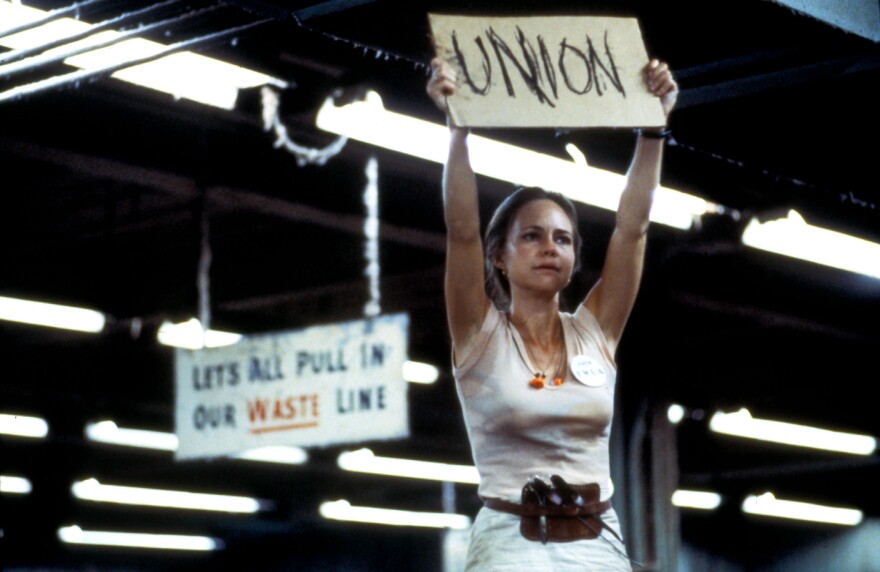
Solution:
(497, 286)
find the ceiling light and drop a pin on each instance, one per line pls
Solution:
(768, 505)
(76, 535)
(23, 426)
(696, 499)
(92, 490)
(364, 461)
(109, 432)
(742, 424)
(51, 315)
(277, 454)
(183, 75)
(190, 335)
(792, 236)
(370, 122)
(14, 485)
(418, 372)
(343, 510)
(675, 413)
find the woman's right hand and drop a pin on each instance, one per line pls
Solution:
(442, 83)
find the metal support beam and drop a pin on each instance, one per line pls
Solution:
(50, 17)
(692, 97)
(76, 78)
(115, 22)
(36, 62)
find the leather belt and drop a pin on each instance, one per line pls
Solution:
(531, 510)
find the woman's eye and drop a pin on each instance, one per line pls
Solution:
(563, 239)
(530, 236)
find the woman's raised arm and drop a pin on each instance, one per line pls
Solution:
(613, 297)
(466, 300)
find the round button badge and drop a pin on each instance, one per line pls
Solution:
(588, 370)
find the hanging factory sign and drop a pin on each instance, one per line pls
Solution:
(324, 385)
(546, 71)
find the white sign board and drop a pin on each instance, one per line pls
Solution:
(324, 385)
(547, 71)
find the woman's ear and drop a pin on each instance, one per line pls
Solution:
(498, 262)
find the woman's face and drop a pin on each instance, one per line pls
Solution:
(538, 254)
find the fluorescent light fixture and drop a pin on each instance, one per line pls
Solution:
(76, 535)
(364, 461)
(792, 236)
(768, 505)
(14, 485)
(108, 432)
(51, 315)
(343, 510)
(93, 490)
(370, 122)
(23, 426)
(675, 413)
(742, 424)
(183, 75)
(696, 499)
(190, 335)
(418, 372)
(278, 454)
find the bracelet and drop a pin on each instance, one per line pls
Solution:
(664, 134)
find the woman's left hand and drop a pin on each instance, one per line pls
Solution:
(660, 82)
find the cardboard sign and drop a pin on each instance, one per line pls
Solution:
(338, 383)
(547, 71)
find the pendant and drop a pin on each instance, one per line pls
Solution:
(537, 382)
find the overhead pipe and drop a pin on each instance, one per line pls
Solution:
(78, 77)
(35, 62)
(50, 17)
(16, 55)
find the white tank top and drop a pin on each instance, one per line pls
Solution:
(517, 432)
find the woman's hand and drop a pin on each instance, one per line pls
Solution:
(442, 83)
(660, 82)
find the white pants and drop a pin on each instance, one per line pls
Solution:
(496, 545)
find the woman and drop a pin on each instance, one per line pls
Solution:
(537, 385)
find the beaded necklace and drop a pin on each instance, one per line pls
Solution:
(540, 378)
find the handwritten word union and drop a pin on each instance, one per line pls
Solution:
(545, 71)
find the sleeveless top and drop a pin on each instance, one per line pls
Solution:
(517, 432)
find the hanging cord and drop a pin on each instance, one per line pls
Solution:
(844, 197)
(203, 280)
(304, 155)
(378, 53)
(371, 237)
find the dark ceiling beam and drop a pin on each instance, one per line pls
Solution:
(269, 9)
(409, 290)
(237, 199)
(224, 198)
(329, 7)
(791, 77)
(780, 470)
(766, 318)
(99, 168)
